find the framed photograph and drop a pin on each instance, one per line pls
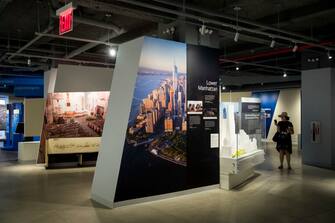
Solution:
(315, 132)
(194, 107)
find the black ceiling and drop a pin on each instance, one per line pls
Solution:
(308, 23)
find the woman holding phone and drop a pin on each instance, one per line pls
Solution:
(284, 139)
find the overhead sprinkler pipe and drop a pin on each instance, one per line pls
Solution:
(276, 52)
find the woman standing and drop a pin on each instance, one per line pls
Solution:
(284, 139)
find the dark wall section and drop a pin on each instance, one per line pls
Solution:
(203, 73)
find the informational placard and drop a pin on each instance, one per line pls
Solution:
(315, 132)
(251, 115)
(215, 140)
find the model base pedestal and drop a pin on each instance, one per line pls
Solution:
(235, 171)
(229, 181)
(28, 151)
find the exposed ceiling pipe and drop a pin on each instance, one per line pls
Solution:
(27, 44)
(98, 42)
(103, 25)
(3, 4)
(117, 9)
(308, 16)
(272, 59)
(226, 25)
(31, 42)
(61, 59)
(88, 46)
(259, 65)
(266, 86)
(241, 20)
(17, 67)
(5, 47)
(248, 38)
(106, 7)
(275, 52)
(208, 20)
(86, 21)
(103, 6)
(25, 62)
(91, 43)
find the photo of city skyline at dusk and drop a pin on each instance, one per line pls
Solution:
(157, 122)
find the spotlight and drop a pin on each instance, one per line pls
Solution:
(237, 68)
(284, 74)
(223, 88)
(112, 52)
(329, 56)
(202, 29)
(28, 62)
(273, 43)
(295, 48)
(237, 35)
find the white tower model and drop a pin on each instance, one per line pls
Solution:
(230, 141)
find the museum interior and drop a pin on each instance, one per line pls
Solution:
(167, 111)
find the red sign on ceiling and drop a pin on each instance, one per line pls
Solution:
(65, 19)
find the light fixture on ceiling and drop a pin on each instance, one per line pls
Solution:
(224, 88)
(285, 74)
(169, 30)
(203, 30)
(237, 35)
(295, 48)
(237, 68)
(112, 52)
(28, 61)
(273, 43)
(329, 55)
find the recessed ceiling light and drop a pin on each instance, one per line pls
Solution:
(284, 74)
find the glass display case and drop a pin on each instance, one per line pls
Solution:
(241, 132)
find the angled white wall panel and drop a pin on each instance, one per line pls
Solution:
(71, 78)
(33, 116)
(113, 138)
(49, 81)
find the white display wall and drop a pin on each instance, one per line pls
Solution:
(289, 100)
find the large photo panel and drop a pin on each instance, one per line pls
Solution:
(76, 117)
(154, 158)
(173, 122)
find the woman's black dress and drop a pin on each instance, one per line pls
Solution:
(284, 140)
